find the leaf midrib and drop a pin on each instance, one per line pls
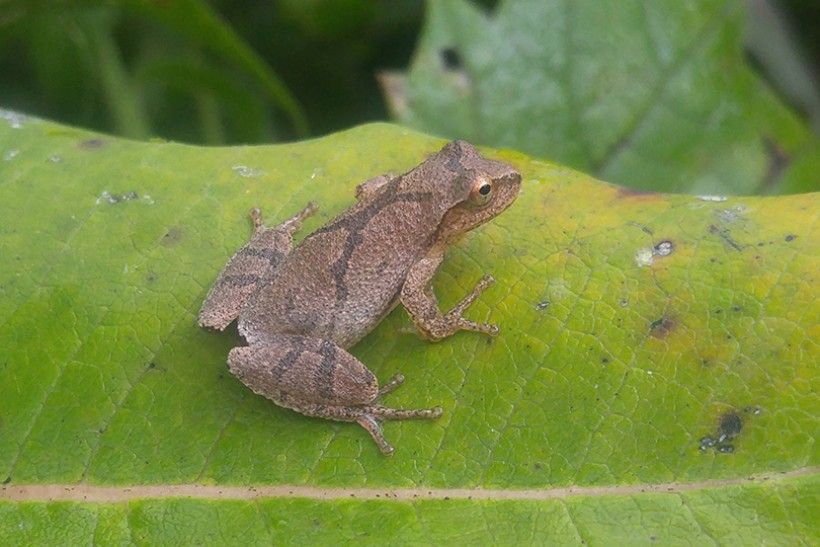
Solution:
(115, 494)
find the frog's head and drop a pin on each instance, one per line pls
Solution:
(483, 188)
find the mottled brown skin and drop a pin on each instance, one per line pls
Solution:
(299, 309)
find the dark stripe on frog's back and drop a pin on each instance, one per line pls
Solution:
(273, 256)
(355, 222)
(275, 309)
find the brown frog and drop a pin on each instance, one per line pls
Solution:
(300, 308)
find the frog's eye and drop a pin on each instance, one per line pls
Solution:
(482, 191)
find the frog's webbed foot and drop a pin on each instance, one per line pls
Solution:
(370, 421)
(289, 226)
(454, 316)
(418, 298)
(257, 260)
(372, 415)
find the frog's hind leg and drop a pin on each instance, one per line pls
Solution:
(259, 258)
(318, 378)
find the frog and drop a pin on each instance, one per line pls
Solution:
(300, 308)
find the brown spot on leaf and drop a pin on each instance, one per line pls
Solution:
(92, 144)
(660, 328)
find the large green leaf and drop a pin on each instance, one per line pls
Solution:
(653, 94)
(632, 326)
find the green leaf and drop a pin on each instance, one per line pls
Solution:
(632, 326)
(651, 94)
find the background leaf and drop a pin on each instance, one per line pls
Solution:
(635, 327)
(651, 94)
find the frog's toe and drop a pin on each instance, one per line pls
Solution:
(391, 385)
(490, 329)
(372, 426)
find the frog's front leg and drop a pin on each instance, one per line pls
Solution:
(418, 298)
(318, 378)
(259, 258)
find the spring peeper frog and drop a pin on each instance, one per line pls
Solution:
(299, 309)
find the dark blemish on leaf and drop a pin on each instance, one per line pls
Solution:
(92, 144)
(660, 328)
(737, 308)
(151, 277)
(172, 236)
(724, 235)
(451, 59)
(544, 304)
(730, 426)
(718, 310)
(153, 366)
(779, 160)
(790, 237)
(706, 443)
(605, 360)
(664, 248)
(536, 466)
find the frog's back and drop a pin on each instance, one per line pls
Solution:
(345, 277)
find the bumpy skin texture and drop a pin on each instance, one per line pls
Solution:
(299, 309)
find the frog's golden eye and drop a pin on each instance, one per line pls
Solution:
(482, 191)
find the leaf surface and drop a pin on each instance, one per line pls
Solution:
(650, 94)
(633, 326)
